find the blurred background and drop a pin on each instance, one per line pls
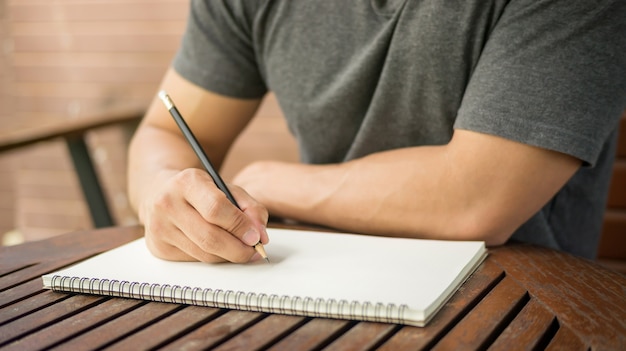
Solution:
(60, 61)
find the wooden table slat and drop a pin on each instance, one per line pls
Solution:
(30, 305)
(27, 263)
(31, 272)
(533, 327)
(74, 325)
(363, 336)
(20, 292)
(481, 324)
(64, 247)
(486, 277)
(216, 331)
(313, 335)
(566, 339)
(263, 333)
(140, 315)
(46, 316)
(164, 330)
(12, 267)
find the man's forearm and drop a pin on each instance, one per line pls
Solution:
(374, 195)
(482, 190)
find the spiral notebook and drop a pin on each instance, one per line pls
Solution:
(317, 274)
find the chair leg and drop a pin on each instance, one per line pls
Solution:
(89, 181)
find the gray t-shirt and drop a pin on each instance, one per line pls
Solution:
(353, 78)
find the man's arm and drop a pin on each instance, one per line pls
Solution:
(477, 187)
(185, 215)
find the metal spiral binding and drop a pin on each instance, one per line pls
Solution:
(308, 306)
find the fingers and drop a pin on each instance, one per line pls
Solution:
(246, 223)
(190, 219)
(178, 246)
(255, 212)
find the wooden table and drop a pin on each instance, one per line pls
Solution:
(521, 297)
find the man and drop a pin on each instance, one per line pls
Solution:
(481, 120)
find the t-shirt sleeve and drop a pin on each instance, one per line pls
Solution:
(217, 51)
(552, 74)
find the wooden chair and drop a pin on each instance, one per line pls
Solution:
(62, 60)
(74, 134)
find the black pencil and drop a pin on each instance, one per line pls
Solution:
(204, 159)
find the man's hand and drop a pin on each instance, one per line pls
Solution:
(185, 215)
(189, 218)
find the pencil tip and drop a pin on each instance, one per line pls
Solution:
(261, 250)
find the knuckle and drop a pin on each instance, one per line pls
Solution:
(187, 177)
(188, 174)
(210, 243)
(238, 223)
(155, 227)
(163, 203)
(216, 249)
(214, 203)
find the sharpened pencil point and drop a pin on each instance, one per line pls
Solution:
(261, 250)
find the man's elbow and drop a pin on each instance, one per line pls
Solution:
(487, 227)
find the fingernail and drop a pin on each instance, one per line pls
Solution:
(251, 237)
(255, 257)
(266, 235)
